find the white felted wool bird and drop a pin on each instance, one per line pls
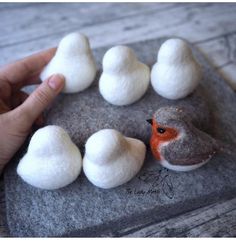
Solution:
(124, 79)
(112, 159)
(176, 73)
(74, 60)
(52, 160)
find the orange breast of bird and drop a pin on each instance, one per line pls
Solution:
(160, 135)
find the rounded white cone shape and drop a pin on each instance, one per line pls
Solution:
(75, 61)
(176, 73)
(124, 79)
(111, 159)
(52, 160)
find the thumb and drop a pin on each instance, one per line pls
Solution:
(35, 104)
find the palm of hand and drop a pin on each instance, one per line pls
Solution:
(12, 135)
(10, 98)
(14, 125)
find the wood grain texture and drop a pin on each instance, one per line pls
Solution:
(45, 20)
(211, 26)
(216, 220)
(221, 53)
(27, 28)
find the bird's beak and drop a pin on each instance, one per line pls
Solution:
(149, 121)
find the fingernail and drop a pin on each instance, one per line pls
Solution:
(56, 81)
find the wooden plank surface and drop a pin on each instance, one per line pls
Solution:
(27, 28)
(215, 220)
(206, 25)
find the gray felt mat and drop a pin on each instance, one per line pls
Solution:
(82, 209)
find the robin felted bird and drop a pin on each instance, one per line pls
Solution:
(178, 139)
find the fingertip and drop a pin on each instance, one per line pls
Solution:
(56, 82)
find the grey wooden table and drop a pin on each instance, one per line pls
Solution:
(27, 28)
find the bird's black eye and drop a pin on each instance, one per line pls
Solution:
(161, 130)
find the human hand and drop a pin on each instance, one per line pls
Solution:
(18, 110)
